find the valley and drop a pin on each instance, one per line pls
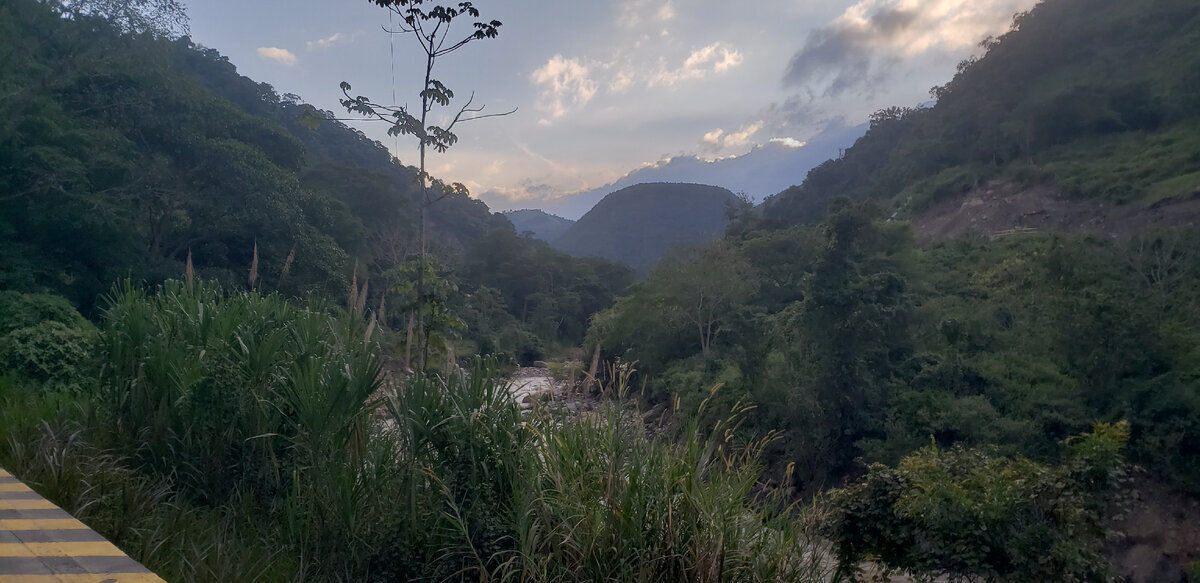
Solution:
(243, 341)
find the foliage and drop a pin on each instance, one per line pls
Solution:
(232, 393)
(551, 294)
(853, 344)
(235, 418)
(1095, 97)
(134, 154)
(430, 25)
(44, 342)
(971, 514)
(19, 310)
(49, 354)
(610, 505)
(640, 224)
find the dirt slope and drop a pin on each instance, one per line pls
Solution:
(1000, 209)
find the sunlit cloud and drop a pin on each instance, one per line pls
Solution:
(565, 84)
(620, 82)
(278, 55)
(713, 59)
(324, 43)
(742, 136)
(855, 52)
(719, 139)
(789, 142)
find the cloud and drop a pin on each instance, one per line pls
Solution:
(854, 52)
(739, 138)
(632, 13)
(620, 81)
(324, 43)
(565, 84)
(718, 139)
(665, 12)
(789, 142)
(278, 55)
(713, 59)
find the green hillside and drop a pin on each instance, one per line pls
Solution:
(124, 153)
(1099, 98)
(640, 224)
(542, 224)
(880, 362)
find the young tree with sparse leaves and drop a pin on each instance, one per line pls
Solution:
(432, 25)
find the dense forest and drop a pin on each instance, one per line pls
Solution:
(130, 153)
(207, 350)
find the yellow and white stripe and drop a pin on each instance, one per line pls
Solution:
(41, 543)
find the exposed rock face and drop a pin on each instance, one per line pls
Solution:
(1160, 535)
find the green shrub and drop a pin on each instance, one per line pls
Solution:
(50, 355)
(970, 513)
(19, 310)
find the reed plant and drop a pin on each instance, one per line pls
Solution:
(232, 436)
(607, 503)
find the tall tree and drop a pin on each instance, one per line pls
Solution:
(431, 25)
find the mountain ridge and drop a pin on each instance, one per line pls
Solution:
(639, 224)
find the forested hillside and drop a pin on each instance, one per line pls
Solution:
(639, 224)
(861, 347)
(124, 154)
(1098, 98)
(543, 225)
(207, 348)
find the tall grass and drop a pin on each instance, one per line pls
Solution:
(606, 503)
(234, 437)
(555, 497)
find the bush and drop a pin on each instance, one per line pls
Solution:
(968, 513)
(19, 310)
(49, 354)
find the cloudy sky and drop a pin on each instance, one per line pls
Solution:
(603, 87)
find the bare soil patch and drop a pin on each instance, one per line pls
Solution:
(1002, 209)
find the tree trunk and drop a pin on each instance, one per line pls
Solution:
(408, 344)
(591, 384)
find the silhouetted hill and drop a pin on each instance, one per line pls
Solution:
(763, 171)
(639, 224)
(542, 224)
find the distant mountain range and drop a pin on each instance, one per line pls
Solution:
(639, 224)
(543, 225)
(764, 171)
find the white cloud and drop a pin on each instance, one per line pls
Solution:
(632, 13)
(735, 139)
(714, 137)
(324, 43)
(713, 59)
(666, 12)
(620, 81)
(789, 142)
(718, 139)
(278, 55)
(859, 48)
(565, 84)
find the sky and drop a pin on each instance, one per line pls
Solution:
(603, 87)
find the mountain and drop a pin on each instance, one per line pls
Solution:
(145, 156)
(1092, 100)
(543, 225)
(129, 155)
(639, 224)
(763, 171)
